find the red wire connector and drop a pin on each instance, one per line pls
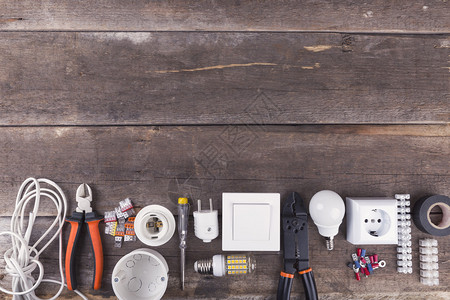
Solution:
(366, 265)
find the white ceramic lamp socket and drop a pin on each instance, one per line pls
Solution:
(154, 225)
(327, 210)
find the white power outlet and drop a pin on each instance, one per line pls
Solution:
(371, 220)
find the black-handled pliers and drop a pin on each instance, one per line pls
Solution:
(294, 224)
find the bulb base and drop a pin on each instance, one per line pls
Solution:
(330, 242)
(204, 266)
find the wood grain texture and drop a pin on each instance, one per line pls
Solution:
(154, 100)
(140, 78)
(257, 15)
(204, 161)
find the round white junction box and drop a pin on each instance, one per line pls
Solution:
(141, 274)
(154, 225)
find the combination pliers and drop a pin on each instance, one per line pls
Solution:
(84, 214)
(294, 222)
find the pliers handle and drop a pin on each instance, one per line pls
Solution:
(309, 284)
(76, 223)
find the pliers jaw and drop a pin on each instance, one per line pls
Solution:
(84, 198)
(293, 206)
(295, 234)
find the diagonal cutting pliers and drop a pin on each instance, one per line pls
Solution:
(84, 214)
(294, 222)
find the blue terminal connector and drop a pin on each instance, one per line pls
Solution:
(363, 252)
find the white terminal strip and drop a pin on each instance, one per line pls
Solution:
(429, 274)
(404, 262)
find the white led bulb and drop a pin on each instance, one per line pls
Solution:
(327, 210)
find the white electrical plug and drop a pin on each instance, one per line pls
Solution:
(206, 223)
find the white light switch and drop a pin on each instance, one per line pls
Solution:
(251, 222)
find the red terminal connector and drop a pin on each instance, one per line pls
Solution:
(363, 262)
(375, 258)
(356, 270)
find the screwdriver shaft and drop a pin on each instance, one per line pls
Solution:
(183, 263)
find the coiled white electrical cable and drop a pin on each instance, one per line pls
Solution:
(22, 258)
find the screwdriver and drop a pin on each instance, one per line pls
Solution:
(183, 216)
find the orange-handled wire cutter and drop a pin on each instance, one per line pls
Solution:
(294, 222)
(84, 214)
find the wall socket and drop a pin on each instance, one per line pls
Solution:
(371, 220)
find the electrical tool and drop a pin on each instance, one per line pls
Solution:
(84, 214)
(294, 222)
(183, 217)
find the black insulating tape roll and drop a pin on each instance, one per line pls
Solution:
(421, 215)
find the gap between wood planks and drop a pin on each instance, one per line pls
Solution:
(404, 129)
(355, 32)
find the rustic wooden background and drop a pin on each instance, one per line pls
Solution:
(154, 100)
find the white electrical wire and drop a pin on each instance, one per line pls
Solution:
(22, 258)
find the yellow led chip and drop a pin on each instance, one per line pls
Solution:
(237, 264)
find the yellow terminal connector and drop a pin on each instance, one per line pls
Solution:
(182, 200)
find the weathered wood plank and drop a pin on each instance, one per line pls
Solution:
(158, 164)
(222, 78)
(335, 16)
